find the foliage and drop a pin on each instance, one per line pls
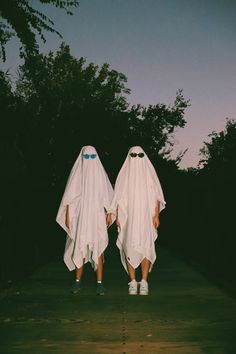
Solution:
(61, 103)
(154, 126)
(7, 106)
(5, 92)
(69, 103)
(24, 21)
(219, 154)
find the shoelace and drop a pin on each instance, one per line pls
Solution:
(143, 285)
(133, 285)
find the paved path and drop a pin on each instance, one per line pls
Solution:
(184, 313)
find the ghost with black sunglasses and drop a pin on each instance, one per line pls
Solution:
(135, 154)
(138, 200)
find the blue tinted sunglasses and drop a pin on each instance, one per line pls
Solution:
(87, 156)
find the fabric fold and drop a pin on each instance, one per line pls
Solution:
(88, 195)
(137, 191)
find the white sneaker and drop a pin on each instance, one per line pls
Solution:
(143, 289)
(133, 287)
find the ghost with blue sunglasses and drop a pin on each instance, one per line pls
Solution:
(87, 156)
(83, 214)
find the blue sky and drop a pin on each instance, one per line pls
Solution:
(161, 46)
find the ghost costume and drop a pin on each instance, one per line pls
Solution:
(137, 191)
(88, 194)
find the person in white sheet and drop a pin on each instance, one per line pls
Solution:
(83, 215)
(138, 200)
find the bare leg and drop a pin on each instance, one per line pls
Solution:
(79, 272)
(131, 271)
(100, 268)
(145, 266)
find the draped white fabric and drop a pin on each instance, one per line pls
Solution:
(88, 194)
(137, 191)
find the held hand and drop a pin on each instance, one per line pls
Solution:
(108, 220)
(156, 221)
(67, 223)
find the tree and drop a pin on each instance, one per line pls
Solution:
(61, 103)
(6, 95)
(24, 21)
(8, 107)
(154, 126)
(219, 154)
(69, 103)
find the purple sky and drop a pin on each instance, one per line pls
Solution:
(161, 46)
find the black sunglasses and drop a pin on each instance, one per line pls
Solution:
(134, 154)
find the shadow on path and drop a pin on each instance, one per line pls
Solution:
(183, 314)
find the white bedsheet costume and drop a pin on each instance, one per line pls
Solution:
(88, 193)
(137, 191)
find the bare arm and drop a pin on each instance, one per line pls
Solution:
(117, 219)
(108, 219)
(156, 220)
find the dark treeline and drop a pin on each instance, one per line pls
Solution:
(202, 208)
(57, 105)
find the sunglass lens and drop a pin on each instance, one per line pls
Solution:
(86, 156)
(134, 154)
(93, 156)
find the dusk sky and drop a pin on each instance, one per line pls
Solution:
(161, 46)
